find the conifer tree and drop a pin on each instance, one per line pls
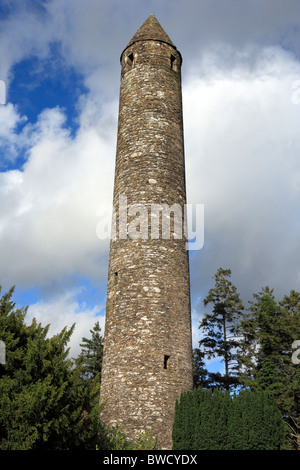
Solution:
(215, 420)
(200, 373)
(92, 354)
(43, 402)
(255, 422)
(269, 329)
(220, 328)
(183, 429)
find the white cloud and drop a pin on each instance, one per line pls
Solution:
(65, 311)
(10, 141)
(23, 34)
(242, 152)
(48, 216)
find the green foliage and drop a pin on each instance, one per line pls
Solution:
(183, 432)
(255, 346)
(211, 425)
(219, 328)
(48, 401)
(201, 376)
(92, 354)
(44, 403)
(255, 422)
(119, 441)
(214, 420)
(269, 328)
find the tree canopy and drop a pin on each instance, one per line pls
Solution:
(208, 419)
(219, 326)
(44, 402)
(254, 343)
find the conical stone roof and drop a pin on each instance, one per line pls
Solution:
(150, 30)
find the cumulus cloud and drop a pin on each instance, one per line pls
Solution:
(10, 141)
(19, 32)
(66, 310)
(242, 148)
(48, 214)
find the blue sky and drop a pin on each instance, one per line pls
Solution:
(60, 66)
(37, 85)
(42, 84)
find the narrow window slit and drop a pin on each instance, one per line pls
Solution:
(173, 63)
(130, 60)
(166, 362)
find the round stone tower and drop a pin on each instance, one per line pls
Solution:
(148, 349)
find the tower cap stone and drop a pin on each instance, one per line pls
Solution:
(150, 30)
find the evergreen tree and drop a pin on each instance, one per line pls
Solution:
(183, 428)
(200, 373)
(203, 423)
(269, 329)
(237, 434)
(255, 422)
(92, 354)
(215, 420)
(43, 403)
(220, 328)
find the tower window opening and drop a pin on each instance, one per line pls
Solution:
(166, 362)
(130, 60)
(116, 277)
(173, 63)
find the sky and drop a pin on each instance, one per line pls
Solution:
(59, 91)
